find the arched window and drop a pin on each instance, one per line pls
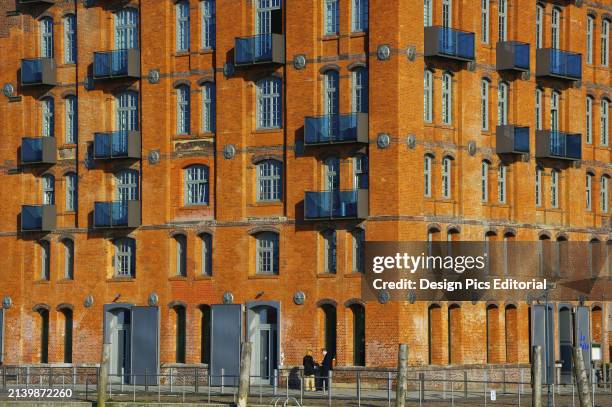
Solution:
(427, 172)
(360, 89)
(71, 127)
(502, 173)
(46, 37)
(48, 117)
(484, 104)
(45, 260)
(125, 257)
(331, 173)
(269, 180)
(604, 199)
(182, 25)
(44, 335)
(126, 186)
(554, 188)
(359, 326)
(183, 109)
(590, 29)
(331, 102)
(502, 104)
(181, 255)
(484, 181)
(604, 110)
(447, 98)
(180, 329)
(269, 109)
(327, 323)
(205, 325)
(428, 96)
(48, 189)
(538, 108)
(493, 339)
(68, 323)
(68, 259)
(538, 186)
(329, 251)
(207, 254)
(196, 185)
(435, 337)
(589, 120)
(209, 16)
(360, 171)
(502, 14)
(71, 191)
(447, 13)
(589, 191)
(332, 17)
(209, 107)
(454, 334)
(358, 240)
(360, 16)
(267, 253)
(539, 25)
(447, 177)
(427, 13)
(126, 29)
(126, 110)
(596, 323)
(70, 48)
(511, 334)
(555, 35)
(605, 42)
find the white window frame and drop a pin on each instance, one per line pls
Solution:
(484, 104)
(427, 13)
(538, 186)
(555, 28)
(269, 103)
(360, 16)
(125, 257)
(360, 89)
(330, 254)
(127, 185)
(539, 26)
(126, 111)
(589, 191)
(71, 191)
(360, 171)
(183, 109)
(331, 10)
(197, 187)
(502, 184)
(447, 98)
(554, 110)
(604, 193)
(502, 20)
(484, 181)
(427, 174)
(267, 251)
(209, 24)
(503, 93)
(428, 96)
(604, 112)
(485, 9)
(447, 13)
(48, 189)
(182, 25)
(207, 252)
(447, 177)
(605, 41)
(589, 120)
(590, 30)
(554, 189)
(48, 116)
(269, 180)
(70, 48)
(539, 108)
(70, 104)
(68, 259)
(126, 28)
(46, 37)
(209, 107)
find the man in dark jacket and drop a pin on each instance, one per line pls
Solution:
(326, 365)
(309, 371)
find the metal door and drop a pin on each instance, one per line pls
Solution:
(226, 334)
(565, 344)
(583, 335)
(544, 337)
(145, 344)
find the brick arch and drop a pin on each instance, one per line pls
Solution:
(356, 65)
(329, 67)
(354, 301)
(264, 228)
(205, 230)
(180, 82)
(177, 232)
(327, 301)
(41, 307)
(256, 159)
(207, 79)
(64, 306)
(177, 303)
(511, 334)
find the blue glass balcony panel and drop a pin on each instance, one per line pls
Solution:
(341, 128)
(117, 144)
(449, 42)
(335, 204)
(559, 64)
(257, 49)
(38, 71)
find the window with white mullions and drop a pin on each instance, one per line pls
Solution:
(183, 109)
(331, 101)
(538, 108)
(554, 111)
(538, 186)
(604, 195)
(604, 111)
(125, 257)
(269, 103)
(269, 180)
(196, 185)
(71, 191)
(427, 13)
(502, 20)
(126, 29)
(46, 37)
(555, 27)
(589, 120)
(502, 174)
(446, 177)
(208, 12)
(428, 96)
(447, 98)
(48, 189)
(484, 181)
(126, 186)
(267, 253)
(329, 251)
(263, 23)
(360, 171)
(182, 25)
(589, 191)
(126, 106)
(360, 15)
(484, 21)
(539, 26)
(48, 117)
(484, 104)
(427, 173)
(605, 41)
(502, 104)
(209, 105)
(447, 13)
(590, 29)
(360, 90)
(554, 188)
(71, 119)
(70, 48)
(332, 17)
(332, 174)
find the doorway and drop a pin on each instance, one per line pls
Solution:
(120, 338)
(263, 334)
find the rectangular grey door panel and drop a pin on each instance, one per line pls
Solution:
(539, 337)
(583, 335)
(226, 335)
(145, 343)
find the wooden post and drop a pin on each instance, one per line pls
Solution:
(581, 378)
(103, 374)
(402, 369)
(536, 377)
(245, 374)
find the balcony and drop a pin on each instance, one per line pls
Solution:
(122, 63)
(337, 204)
(512, 56)
(116, 144)
(259, 49)
(117, 214)
(38, 71)
(558, 145)
(511, 139)
(38, 218)
(557, 64)
(34, 2)
(38, 150)
(449, 43)
(336, 129)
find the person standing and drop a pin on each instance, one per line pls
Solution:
(309, 371)
(326, 366)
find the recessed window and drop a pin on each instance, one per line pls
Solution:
(269, 180)
(539, 26)
(447, 13)
(502, 104)
(70, 48)
(71, 191)
(207, 253)
(196, 185)
(68, 259)
(126, 29)
(502, 174)
(360, 171)
(502, 20)
(332, 17)
(360, 90)
(447, 98)
(358, 239)
(555, 27)
(125, 257)
(604, 198)
(71, 119)
(427, 13)
(126, 111)
(181, 255)
(45, 260)
(208, 11)
(484, 21)
(484, 104)
(446, 177)
(589, 120)
(605, 42)
(182, 25)
(48, 189)
(183, 109)
(554, 188)
(589, 39)
(209, 107)
(360, 15)
(126, 186)
(589, 191)
(269, 110)
(538, 108)
(427, 172)
(484, 181)
(554, 111)
(604, 110)
(428, 96)
(267, 253)
(46, 37)
(48, 117)
(538, 186)
(329, 251)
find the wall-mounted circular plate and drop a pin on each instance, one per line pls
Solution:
(383, 140)
(228, 297)
(383, 52)
(299, 298)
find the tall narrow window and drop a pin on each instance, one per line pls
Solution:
(68, 259)
(358, 237)
(71, 192)
(208, 12)
(447, 13)
(484, 104)
(554, 188)
(267, 253)
(428, 96)
(68, 318)
(502, 20)
(183, 109)
(48, 189)
(603, 111)
(604, 196)
(181, 255)
(484, 21)
(209, 107)
(180, 315)
(71, 119)
(555, 27)
(269, 103)
(605, 44)
(331, 102)
(332, 17)
(502, 173)
(538, 108)
(329, 251)
(538, 186)
(182, 25)
(539, 26)
(126, 186)
(196, 185)
(360, 171)
(44, 335)
(48, 117)
(360, 90)
(447, 98)
(589, 120)
(554, 111)
(126, 29)
(125, 257)
(269, 180)
(446, 177)
(427, 172)
(70, 48)
(589, 191)
(502, 104)
(45, 260)
(484, 181)
(126, 106)
(359, 330)
(427, 13)
(46, 37)
(207, 263)
(331, 173)
(589, 38)
(360, 15)
(263, 18)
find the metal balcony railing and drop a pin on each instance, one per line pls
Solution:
(259, 49)
(449, 43)
(122, 63)
(38, 150)
(38, 218)
(559, 64)
(336, 204)
(38, 71)
(116, 214)
(512, 55)
(117, 144)
(511, 139)
(559, 145)
(339, 128)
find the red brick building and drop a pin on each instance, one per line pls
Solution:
(160, 158)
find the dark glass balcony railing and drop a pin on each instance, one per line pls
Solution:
(449, 43)
(511, 139)
(116, 214)
(122, 63)
(117, 144)
(336, 204)
(38, 218)
(34, 2)
(340, 128)
(559, 145)
(259, 49)
(38, 71)
(512, 56)
(558, 64)
(38, 150)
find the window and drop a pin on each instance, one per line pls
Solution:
(538, 186)
(447, 98)
(446, 177)
(269, 180)
(263, 18)
(46, 37)
(267, 253)
(358, 331)
(538, 107)
(126, 185)
(331, 173)
(209, 107)
(332, 17)
(428, 174)
(71, 119)
(196, 185)
(125, 257)
(183, 109)
(484, 22)
(126, 29)
(48, 117)
(360, 90)
(126, 106)
(502, 104)
(208, 12)
(70, 48)
(45, 260)
(447, 13)
(360, 171)
(502, 173)
(181, 255)
(484, 181)
(329, 251)
(182, 25)
(68, 323)
(589, 191)
(180, 315)
(589, 119)
(330, 98)
(68, 259)
(358, 237)
(207, 263)
(269, 103)
(539, 26)
(554, 189)
(48, 189)
(554, 111)
(555, 35)
(360, 15)
(589, 39)
(428, 96)
(502, 19)
(484, 104)
(71, 191)
(604, 121)
(44, 334)
(604, 197)
(605, 32)
(427, 13)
